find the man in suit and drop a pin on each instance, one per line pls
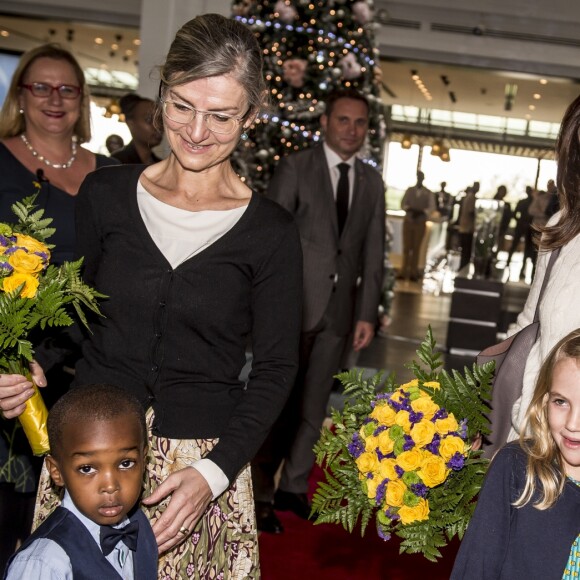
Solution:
(338, 203)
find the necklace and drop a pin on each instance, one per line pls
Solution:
(44, 160)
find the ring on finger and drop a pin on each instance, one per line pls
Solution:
(183, 530)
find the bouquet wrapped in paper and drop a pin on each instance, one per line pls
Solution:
(403, 455)
(34, 293)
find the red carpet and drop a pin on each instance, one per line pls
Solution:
(327, 552)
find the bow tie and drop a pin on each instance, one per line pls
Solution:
(110, 537)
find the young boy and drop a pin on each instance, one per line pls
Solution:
(98, 441)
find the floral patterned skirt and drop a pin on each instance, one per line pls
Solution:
(224, 543)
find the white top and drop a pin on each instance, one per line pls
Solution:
(181, 234)
(559, 315)
(333, 160)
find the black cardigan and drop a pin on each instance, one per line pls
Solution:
(177, 337)
(503, 542)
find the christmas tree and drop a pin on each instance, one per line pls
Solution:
(310, 48)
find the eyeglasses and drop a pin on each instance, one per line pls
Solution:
(215, 122)
(44, 90)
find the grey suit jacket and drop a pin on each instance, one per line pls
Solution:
(302, 185)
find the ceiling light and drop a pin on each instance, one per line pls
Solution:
(437, 147)
(537, 96)
(532, 107)
(543, 81)
(406, 142)
(98, 40)
(4, 33)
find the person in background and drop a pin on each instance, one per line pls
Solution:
(114, 143)
(523, 229)
(466, 227)
(98, 448)
(444, 202)
(559, 314)
(554, 203)
(139, 113)
(527, 519)
(506, 215)
(44, 121)
(419, 204)
(338, 203)
(194, 265)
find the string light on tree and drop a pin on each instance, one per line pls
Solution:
(309, 48)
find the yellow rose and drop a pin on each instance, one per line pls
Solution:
(422, 432)
(402, 419)
(413, 383)
(371, 443)
(384, 414)
(395, 491)
(432, 385)
(450, 446)
(372, 485)
(410, 460)
(433, 470)
(25, 263)
(425, 405)
(444, 426)
(387, 469)
(385, 443)
(416, 513)
(367, 462)
(16, 279)
(31, 244)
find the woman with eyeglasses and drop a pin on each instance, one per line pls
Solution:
(195, 266)
(44, 121)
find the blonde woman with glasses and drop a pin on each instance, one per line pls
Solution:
(195, 264)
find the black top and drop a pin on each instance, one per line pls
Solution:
(505, 542)
(16, 182)
(177, 337)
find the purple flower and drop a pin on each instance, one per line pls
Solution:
(415, 416)
(441, 414)
(379, 429)
(10, 251)
(392, 514)
(456, 462)
(419, 489)
(400, 471)
(6, 266)
(381, 491)
(370, 475)
(409, 443)
(381, 455)
(433, 447)
(383, 533)
(357, 446)
(463, 429)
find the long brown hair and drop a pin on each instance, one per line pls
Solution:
(567, 181)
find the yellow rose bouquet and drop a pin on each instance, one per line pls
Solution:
(403, 454)
(34, 293)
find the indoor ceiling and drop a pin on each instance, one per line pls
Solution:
(481, 91)
(474, 90)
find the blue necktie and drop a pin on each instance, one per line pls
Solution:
(110, 537)
(342, 194)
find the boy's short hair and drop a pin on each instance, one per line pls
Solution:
(90, 403)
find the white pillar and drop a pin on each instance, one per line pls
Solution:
(159, 23)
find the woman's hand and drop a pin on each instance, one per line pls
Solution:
(190, 496)
(15, 390)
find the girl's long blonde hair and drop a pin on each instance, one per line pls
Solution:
(545, 471)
